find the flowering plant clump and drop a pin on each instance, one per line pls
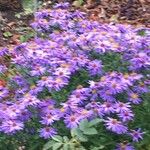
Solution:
(77, 80)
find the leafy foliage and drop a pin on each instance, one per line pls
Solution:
(78, 135)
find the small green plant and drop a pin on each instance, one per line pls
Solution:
(7, 34)
(78, 136)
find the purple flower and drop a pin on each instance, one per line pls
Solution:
(141, 88)
(107, 95)
(72, 120)
(62, 5)
(58, 83)
(134, 76)
(3, 92)
(11, 126)
(48, 119)
(13, 112)
(134, 98)
(121, 107)
(37, 70)
(45, 81)
(123, 146)
(47, 132)
(107, 107)
(34, 90)
(84, 113)
(4, 52)
(139, 61)
(126, 115)
(29, 100)
(2, 68)
(77, 97)
(116, 86)
(62, 72)
(136, 135)
(95, 67)
(24, 115)
(115, 126)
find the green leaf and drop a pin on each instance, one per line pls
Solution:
(102, 147)
(95, 122)
(66, 139)
(74, 132)
(81, 148)
(23, 38)
(66, 147)
(84, 125)
(72, 146)
(56, 146)
(77, 3)
(7, 34)
(82, 138)
(81, 2)
(48, 145)
(90, 131)
(18, 15)
(79, 134)
(57, 138)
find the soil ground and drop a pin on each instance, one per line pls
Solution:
(135, 12)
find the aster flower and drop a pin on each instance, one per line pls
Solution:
(38, 70)
(116, 86)
(48, 119)
(93, 84)
(2, 68)
(77, 97)
(3, 92)
(115, 126)
(34, 90)
(24, 115)
(121, 107)
(134, 76)
(126, 115)
(47, 132)
(4, 109)
(106, 95)
(29, 100)
(13, 112)
(84, 113)
(11, 126)
(62, 72)
(62, 5)
(45, 81)
(47, 106)
(123, 146)
(136, 135)
(72, 120)
(134, 98)
(142, 59)
(141, 88)
(95, 67)
(108, 107)
(4, 52)
(57, 83)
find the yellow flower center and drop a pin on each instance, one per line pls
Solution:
(134, 96)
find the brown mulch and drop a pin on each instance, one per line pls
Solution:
(9, 23)
(135, 12)
(10, 5)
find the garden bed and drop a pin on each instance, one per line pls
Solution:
(78, 85)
